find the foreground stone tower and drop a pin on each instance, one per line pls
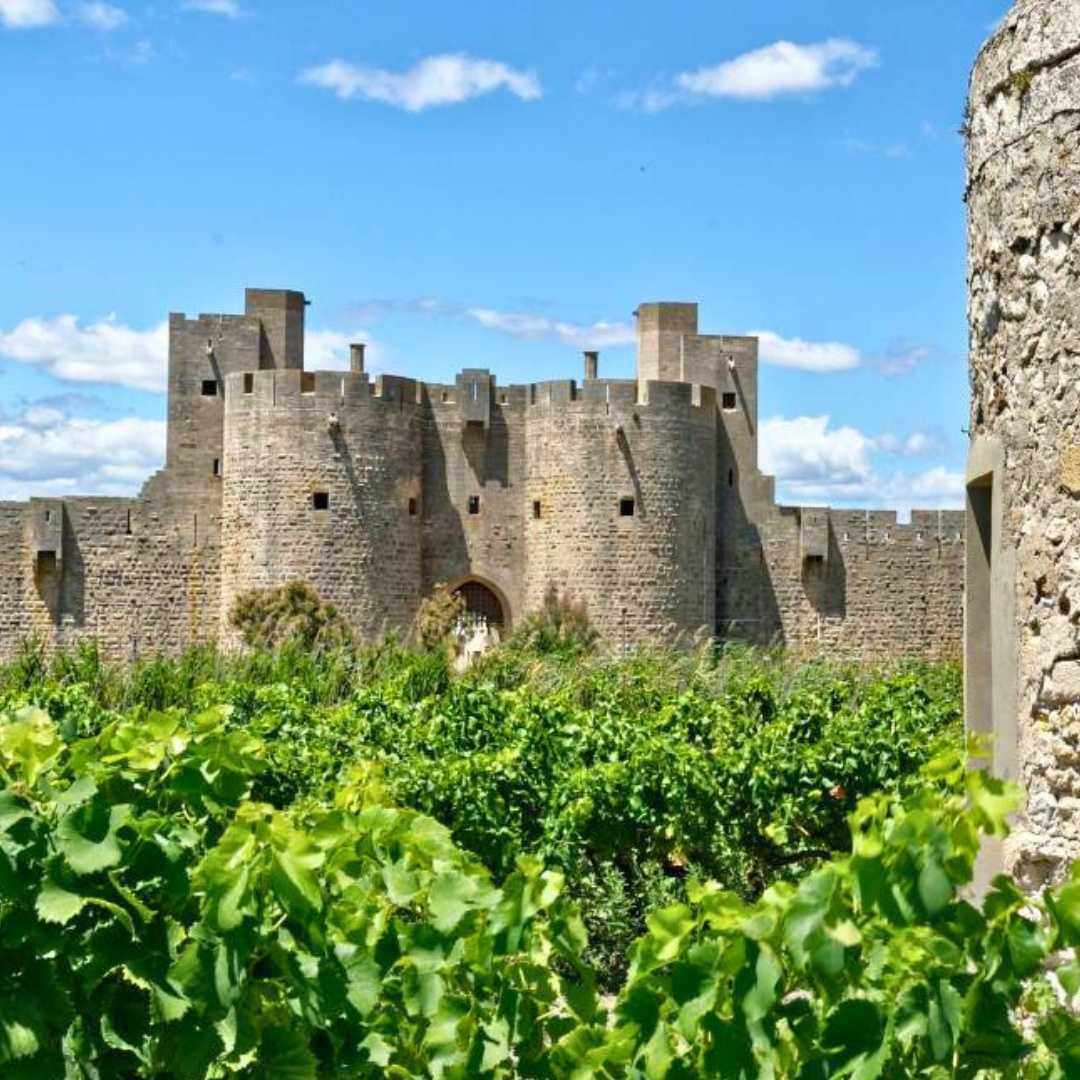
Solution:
(1023, 567)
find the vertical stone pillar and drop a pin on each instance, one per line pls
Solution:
(1023, 579)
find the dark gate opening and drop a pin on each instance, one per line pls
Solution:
(481, 602)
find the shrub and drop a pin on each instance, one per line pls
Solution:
(561, 627)
(437, 617)
(290, 614)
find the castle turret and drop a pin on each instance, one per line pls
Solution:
(322, 480)
(621, 496)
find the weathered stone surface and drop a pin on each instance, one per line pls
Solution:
(1069, 470)
(1023, 201)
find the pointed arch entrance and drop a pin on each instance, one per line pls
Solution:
(483, 601)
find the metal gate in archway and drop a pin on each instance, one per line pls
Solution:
(482, 603)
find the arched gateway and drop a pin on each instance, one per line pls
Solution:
(482, 602)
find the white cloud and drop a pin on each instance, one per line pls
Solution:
(761, 75)
(520, 324)
(142, 53)
(328, 350)
(46, 452)
(229, 8)
(435, 80)
(806, 355)
(902, 359)
(804, 451)
(816, 464)
(105, 351)
(26, 14)
(920, 442)
(781, 68)
(102, 16)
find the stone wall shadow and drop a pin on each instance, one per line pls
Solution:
(488, 450)
(444, 550)
(825, 581)
(747, 609)
(71, 601)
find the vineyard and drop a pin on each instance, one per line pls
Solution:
(348, 861)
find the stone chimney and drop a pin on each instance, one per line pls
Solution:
(356, 357)
(592, 364)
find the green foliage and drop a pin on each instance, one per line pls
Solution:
(156, 922)
(438, 615)
(561, 627)
(630, 776)
(873, 965)
(290, 614)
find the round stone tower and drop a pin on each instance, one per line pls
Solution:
(321, 482)
(621, 504)
(1023, 574)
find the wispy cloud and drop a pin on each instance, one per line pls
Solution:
(101, 16)
(526, 325)
(590, 78)
(782, 68)
(903, 358)
(806, 355)
(435, 80)
(914, 444)
(142, 52)
(27, 14)
(230, 9)
(522, 324)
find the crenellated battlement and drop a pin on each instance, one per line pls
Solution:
(882, 527)
(623, 396)
(331, 391)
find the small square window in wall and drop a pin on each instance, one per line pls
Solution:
(728, 400)
(412, 508)
(209, 388)
(249, 383)
(474, 504)
(537, 509)
(320, 500)
(626, 507)
(217, 466)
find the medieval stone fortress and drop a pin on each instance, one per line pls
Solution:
(640, 497)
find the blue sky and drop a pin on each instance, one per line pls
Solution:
(496, 185)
